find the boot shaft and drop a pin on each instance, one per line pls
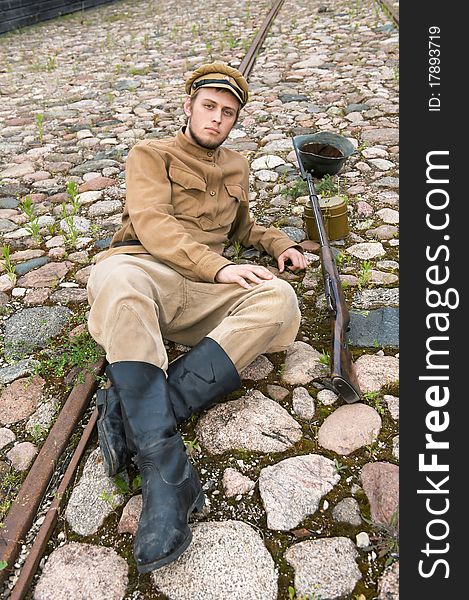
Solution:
(144, 399)
(201, 377)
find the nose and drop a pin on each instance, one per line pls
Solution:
(216, 115)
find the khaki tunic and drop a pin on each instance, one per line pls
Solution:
(184, 202)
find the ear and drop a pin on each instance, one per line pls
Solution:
(187, 106)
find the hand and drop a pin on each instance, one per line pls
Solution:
(243, 274)
(298, 261)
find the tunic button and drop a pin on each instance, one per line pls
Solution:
(212, 193)
(209, 153)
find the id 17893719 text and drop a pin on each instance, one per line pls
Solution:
(434, 68)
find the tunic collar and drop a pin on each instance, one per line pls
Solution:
(194, 149)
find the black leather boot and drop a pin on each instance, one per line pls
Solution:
(111, 433)
(196, 380)
(171, 488)
(200, 377)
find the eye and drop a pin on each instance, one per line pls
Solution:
(228, 113)
(208, 105)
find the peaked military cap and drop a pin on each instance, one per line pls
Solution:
(220, 75)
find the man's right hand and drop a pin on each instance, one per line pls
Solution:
(243, 274)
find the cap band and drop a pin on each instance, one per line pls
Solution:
(219, 83)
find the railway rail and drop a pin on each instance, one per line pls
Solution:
(392, 7)
(33, 490)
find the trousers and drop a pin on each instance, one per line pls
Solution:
(137, 302)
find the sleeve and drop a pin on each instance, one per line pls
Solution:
(151, 212)
(246, 231)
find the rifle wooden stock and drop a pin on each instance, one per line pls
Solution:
(343, 379)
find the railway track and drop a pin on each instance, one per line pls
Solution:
(55, 450)
(392, 7)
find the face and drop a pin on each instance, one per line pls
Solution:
(212, 114)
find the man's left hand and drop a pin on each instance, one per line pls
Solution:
(298, 261)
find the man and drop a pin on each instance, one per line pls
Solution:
(164, 276)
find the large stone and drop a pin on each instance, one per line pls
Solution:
(84, 571)
(29, 265)
(97, 183)
(17, 170)
(7, 225)
(292, 488)
(277, 392)
(303, 403)
(253, 422)
(373, 328)
(315, 60)
(43, 417)
(226, 559)
(7, 283)
(347, 511)
(366, 250)
(20, 399)
(374, 298)
(31, 328)
(388, 136)
(268, 161)
(22, 455)
(93, 499)
(70, 296)
(128, 522)
(349, 427)
(383, 278)
(48, 275)
(104, 207)
(302, 364)
(258, 369)
(388, 215)
(381, 485)
(374, 371)
(383, 232)
(393, 405)
(6, 437)
(235, 483)
(324, 568)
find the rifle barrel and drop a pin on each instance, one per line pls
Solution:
(343, 376)
(313, 197)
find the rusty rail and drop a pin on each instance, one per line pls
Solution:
(391, 8)
(248, 61)
(31, 563)
(22, 512)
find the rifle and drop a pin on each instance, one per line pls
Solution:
(343, 378)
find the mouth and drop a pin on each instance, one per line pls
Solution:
(212, 130)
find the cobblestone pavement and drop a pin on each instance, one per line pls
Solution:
(302, 490)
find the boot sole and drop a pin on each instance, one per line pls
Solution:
(197, 505)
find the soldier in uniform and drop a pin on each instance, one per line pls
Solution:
(164, 277)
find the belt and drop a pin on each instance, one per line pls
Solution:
(127, 243)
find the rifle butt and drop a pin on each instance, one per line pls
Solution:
(343, 375)
(345, 389)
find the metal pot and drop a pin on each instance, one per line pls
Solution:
(323, 153)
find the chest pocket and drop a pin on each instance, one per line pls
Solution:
(188, 192)
(227, 211)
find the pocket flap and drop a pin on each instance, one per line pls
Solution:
(186, 179)
(235, 191)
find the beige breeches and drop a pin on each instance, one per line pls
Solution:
(136, 302)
